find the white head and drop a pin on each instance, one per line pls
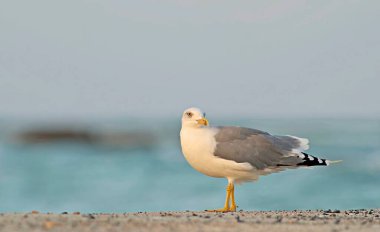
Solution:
(194, 117)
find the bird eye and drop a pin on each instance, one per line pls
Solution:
(189, 114)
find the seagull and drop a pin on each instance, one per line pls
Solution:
(239, 154)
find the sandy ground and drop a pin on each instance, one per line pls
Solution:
(327, 220)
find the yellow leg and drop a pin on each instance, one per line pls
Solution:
(233, 204)
(229, 194)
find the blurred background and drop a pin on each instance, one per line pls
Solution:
(92, 92)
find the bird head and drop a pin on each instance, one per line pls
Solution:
(194, 117)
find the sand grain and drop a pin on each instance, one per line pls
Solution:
(328, 220)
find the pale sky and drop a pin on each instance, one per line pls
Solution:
(96, 58)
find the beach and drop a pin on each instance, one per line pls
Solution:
(319, 220)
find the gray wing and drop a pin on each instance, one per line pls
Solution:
(256, 147)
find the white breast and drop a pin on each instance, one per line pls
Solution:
(198, 145)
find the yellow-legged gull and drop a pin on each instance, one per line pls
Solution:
(239, 154)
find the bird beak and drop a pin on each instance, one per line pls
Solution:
(203, 121)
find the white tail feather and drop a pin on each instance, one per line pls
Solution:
(328, 162)
(304, 143)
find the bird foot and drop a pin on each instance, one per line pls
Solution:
(223, 210)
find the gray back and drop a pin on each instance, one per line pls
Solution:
(256, 147)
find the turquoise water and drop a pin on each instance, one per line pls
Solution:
(75, 176)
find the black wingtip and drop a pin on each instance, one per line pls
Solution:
(309, 160)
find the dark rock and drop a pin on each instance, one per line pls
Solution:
(278, 219)
(238, 219)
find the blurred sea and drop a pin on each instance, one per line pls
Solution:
(137, 165)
